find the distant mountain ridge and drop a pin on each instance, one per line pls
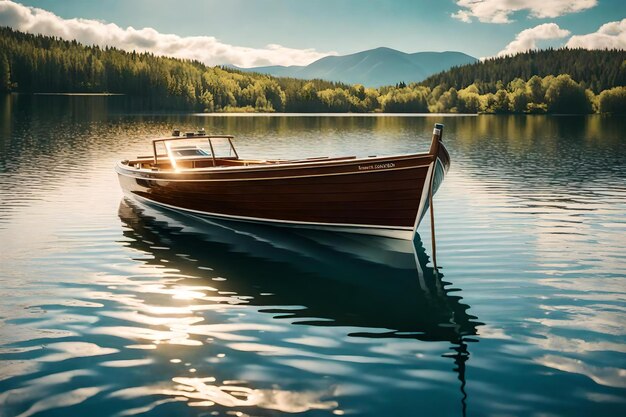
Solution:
(372, 68)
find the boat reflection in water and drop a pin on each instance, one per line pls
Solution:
(378, 287)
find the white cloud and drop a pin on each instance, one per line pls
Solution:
(527, 39)
(206, 49)
(499, 11)
(611, 35)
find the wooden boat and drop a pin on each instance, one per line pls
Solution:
(379, 195)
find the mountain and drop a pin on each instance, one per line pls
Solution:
(372, 68)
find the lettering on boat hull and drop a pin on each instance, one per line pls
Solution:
(377, 166)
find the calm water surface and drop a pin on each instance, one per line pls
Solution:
(108, 309)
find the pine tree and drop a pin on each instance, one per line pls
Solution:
(5, 73)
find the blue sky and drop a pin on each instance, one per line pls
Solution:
(347, 26)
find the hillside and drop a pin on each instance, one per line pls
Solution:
(597, 70)
(43, 64)
(372, 68)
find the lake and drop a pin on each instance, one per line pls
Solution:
(110, 309)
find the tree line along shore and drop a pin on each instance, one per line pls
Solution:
(549, 81)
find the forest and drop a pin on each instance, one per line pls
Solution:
(597, 70)
(550, 81)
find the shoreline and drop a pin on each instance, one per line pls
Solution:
(73, 94)
(303, 114)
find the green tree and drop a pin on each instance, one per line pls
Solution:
(275, 95)
(535, 89)
(565, 95)
(500, 102)
(358, 90)
(405, 100)
(612, 101)
(5, 73)
(447, 102)
(516, 85)
(335, 100)
(206, 101)
(518, 100)
(370, 102)
(469, 100)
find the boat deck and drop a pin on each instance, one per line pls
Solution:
(165, 164)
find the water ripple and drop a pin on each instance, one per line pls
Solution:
(115, 310)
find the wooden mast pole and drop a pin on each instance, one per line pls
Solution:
(434, 151)
(432, 228)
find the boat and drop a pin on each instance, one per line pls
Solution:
(203, 175)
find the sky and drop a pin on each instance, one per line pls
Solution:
(251, 33)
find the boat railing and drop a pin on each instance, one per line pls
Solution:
(188, 137)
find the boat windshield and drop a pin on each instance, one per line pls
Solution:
(183, 151)
(192, 148)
